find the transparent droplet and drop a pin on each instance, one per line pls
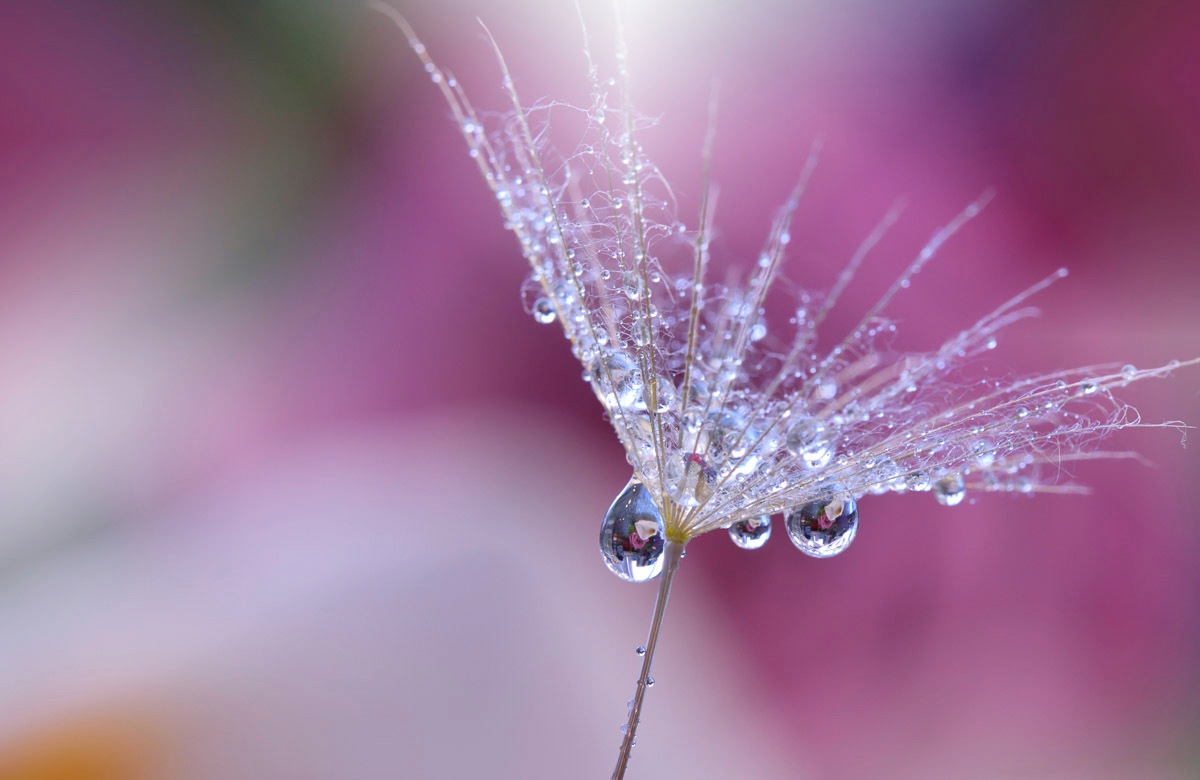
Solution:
(1128, 371)
(641, 650)
(1087, 388)
(824, 527)
(734, 446)
(950, 491)
(659, 400)
(758, 331)
(807, 440)
(619, 379)
(632, 535)
(918, 481)
(649, 682)
(751, 533)
(543, 311)
(690, 479)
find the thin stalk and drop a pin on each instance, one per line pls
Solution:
(672, 554)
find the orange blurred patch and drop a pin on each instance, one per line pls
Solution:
(104, 745)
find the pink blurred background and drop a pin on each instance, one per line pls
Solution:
(291, 487)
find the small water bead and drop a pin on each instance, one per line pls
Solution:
(649, 682)
(826, 526)
(751, 533)
(1088, 388)
(640, 650)
(632, 535)
(758, 331)
(1128, 371)
(827, 389)
(950, 491)
(543, 311)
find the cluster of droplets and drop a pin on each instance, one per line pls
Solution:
(633, 532)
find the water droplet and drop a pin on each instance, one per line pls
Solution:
(1087, 388)
(918, 481)
(663, 396)
(824, 527)
(806, 439)
(690, 479)
(618, 378)
(1128, 371)
(758, 331)
(640, 650)
(649, 682)
(990, 343)
(827, 389)
(632, 535)
(751, 533)
(543, 311)
(949, 491)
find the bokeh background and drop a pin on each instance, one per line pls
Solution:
(291, 487)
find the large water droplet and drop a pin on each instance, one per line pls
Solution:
(826, 526)
(632, 535)
(950, 490)
(751, 533)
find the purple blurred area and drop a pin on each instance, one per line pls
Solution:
(291, 487)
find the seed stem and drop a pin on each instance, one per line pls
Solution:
(672, 554)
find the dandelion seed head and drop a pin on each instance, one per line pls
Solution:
(726, 417)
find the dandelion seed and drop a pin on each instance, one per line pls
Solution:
(725, 423)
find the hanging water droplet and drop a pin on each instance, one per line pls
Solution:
(826, 526)
(758, 331)
(949, 491)
(751, 533)
(632, 535)
(1128, 371)
(649, 682)
(543, 311)
(640, 650)
(1087, 388)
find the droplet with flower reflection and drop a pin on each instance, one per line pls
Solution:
(826, 526)
(751, 533)
(632, 535)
